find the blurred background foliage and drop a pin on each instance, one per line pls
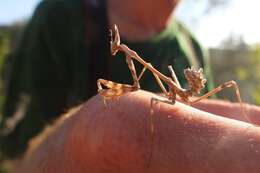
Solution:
(8, 39)
(236, 60)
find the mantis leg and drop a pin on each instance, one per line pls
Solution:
(131, 67)
(174, 77)
(221, 87)
(160, 84)
(154, 101)
(141, 74)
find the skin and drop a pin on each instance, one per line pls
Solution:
(230, 110)
(150, 17)
(118, 138)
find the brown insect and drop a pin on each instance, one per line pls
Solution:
(194, 78)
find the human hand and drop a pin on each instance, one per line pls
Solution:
(230, 110)
(118, 138)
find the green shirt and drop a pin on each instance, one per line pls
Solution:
(50, 67)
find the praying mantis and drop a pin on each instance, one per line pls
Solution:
(195, 79)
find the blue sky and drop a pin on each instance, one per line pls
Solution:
(240, 18)
(15, 10)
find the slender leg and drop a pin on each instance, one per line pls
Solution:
(141, 74)
(221, 87)
(131, 67)
(136, 79)
(174, 77)
(156, 77)
(154, 101)
(160, 84)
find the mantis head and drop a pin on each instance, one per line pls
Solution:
(195, 79)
